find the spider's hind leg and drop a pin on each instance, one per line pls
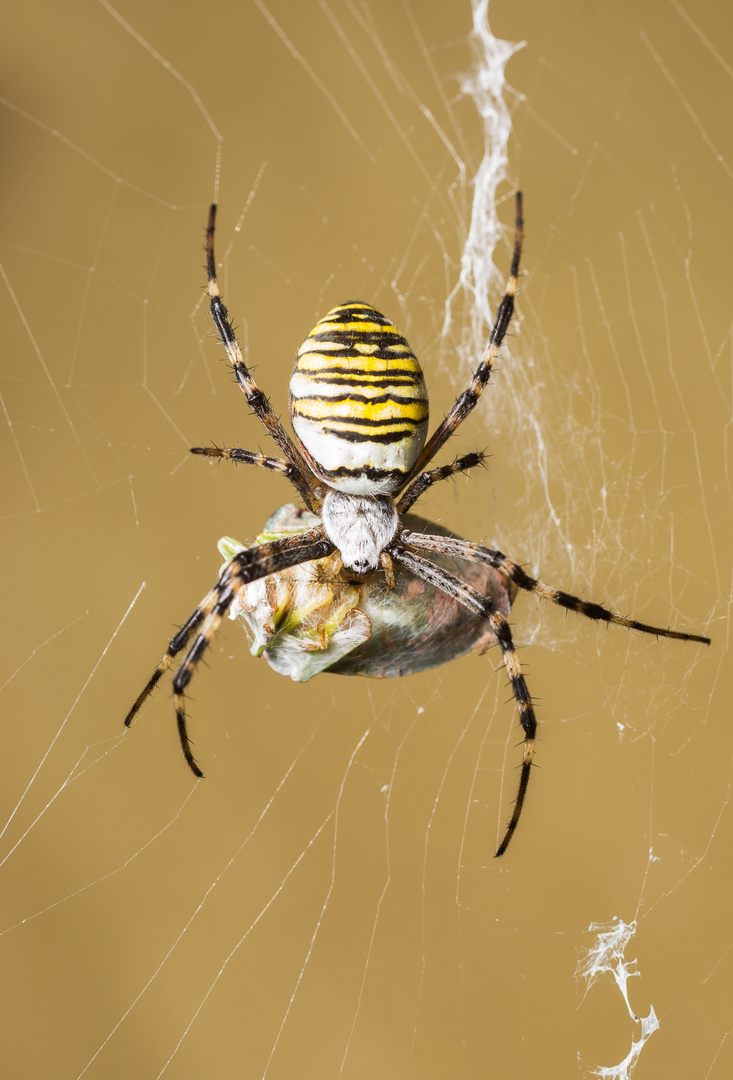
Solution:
(467, 401)
(256, 400)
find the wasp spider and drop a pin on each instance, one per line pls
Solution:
(359, 409)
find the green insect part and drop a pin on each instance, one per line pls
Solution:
(315, 617)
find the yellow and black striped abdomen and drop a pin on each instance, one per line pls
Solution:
(358, 401)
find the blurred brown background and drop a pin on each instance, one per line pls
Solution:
(326, 903)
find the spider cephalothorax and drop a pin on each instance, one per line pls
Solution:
(359, 409)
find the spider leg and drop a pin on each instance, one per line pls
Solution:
(463, 549)
(466, 401)
(177, 642)
(248, 457)
(248, 565)
(256, 400)
(425, 480)
(480, 605)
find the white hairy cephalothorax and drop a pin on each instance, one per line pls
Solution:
(360, 526)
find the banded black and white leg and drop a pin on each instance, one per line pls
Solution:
(481, 605)
(425, 480)
(467, 401)
(474, 601)
(247, 566)
(251, 457)
(301, 476)
(464, 549)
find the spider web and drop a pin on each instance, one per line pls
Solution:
(325, 903)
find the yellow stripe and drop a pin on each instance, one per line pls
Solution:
(360, 410)
(314, 363)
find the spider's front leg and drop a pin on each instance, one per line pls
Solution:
(177, 642)
(464, 549)
(481, 605)
(514, 573)
(247, 566)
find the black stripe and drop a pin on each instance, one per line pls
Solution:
(347, 373)
(365, 422)
(366, 470)
(522, 695)
(374, 437)
(347, 337)
(380, 399)
(347, 352)
(351, 312)
(360, 381)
